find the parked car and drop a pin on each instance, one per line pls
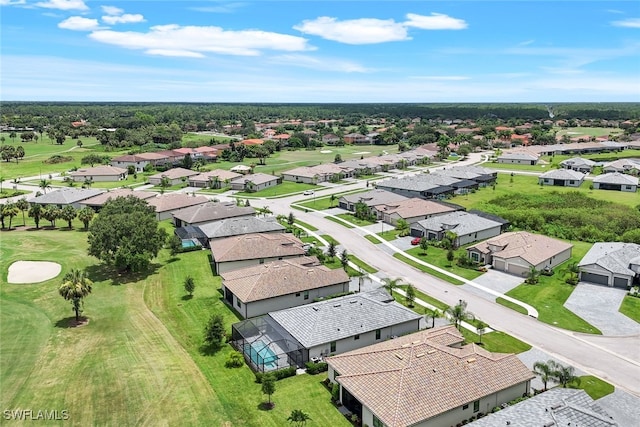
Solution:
(416, 241)
(308, 192)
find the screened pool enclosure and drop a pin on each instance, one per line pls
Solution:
(266, 345)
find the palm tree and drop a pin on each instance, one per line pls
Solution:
(410, 295)
(532, 276)
(332, 199)
(164, 183)
(459, 313)
(23, 205)
(403, 227)
(86, 215)
(35, 212)
(362, 276)
(432, 314)
(68, 213)
(391, 284)
(87, 182)
(565, 375)
(10, 210)
(298, 417)
(545, 370)
(44, 185)
(75, 286)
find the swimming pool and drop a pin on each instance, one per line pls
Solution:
(188, 244)
(260, 354)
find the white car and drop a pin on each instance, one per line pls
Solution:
(308, 192)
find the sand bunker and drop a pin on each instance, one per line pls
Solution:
(363, 152)
(32, 271)
(326, 151)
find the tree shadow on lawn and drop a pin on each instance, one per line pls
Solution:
(71, 322)
(210, 349)
(103, 272)
(266, 406)
(186, 297)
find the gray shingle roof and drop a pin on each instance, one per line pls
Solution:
(242, 225)
(212, 211)
(616, 178)
(612, 256)
(563, 174)
(374, 197)
(578, 161)
(460, 223)
(556, 407)
(335, 319)
(256, 178)
(65, 196)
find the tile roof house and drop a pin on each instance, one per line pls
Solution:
(616, 181)
(370, 198)
(622, 166)
(516, 252)
(232, 253)
(139, 161)
(479, 174)
(555, 407)
(96, 202)
(518, 158)
(176, 176)
(278, 285)
(467, 227)
(65, 196)
(254, 182)
(426, 379)
(101, 173)
(562, 178)
(240, 225)
(207, 212)
(411, 210)
(614, 264)
(168, 204)
(212, 179)
(578, 164)
(428, 185)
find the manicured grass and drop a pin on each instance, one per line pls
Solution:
(497, 342)
(330, 239)
(512, 306)
(438, 257)
(356, 221)
(388, 235)
(213, 191)
(334, 219)
(371, 239)
(140, 179)
(426, 269)
(138, 360)
(336, 264)
(322, 203)
(363, 265)
(287, 187)
(630, 307)
(305, 225)
(11, 193)
(311, 239)
(426, 298)
(591, 131)
(595, 387)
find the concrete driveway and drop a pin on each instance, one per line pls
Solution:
(599, 306)
(494, 280)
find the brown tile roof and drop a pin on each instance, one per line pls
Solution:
(253, 246)
(410, 379)
(256, 178)
(102, 170)
(213, 211)
(414, 207)
(220, 173)
(533, 248)
(175, 201)
(278, 278)
(103, 198)
(175, 173)
(151, 156)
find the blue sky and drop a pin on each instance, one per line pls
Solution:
(320, 51)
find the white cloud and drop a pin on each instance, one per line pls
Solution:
(354, 31)
(112, 10)
(175, 53)
(221, 8)
(319, 63)
(175, 38)
(11, 2)
(78, 23)
(435, 21)
(441, 78)
(63, 4)
(526, 42)
(127, 18)
(627, 23)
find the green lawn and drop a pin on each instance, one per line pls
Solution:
(329, 239)
(591, 131)
(138, 360)
(5, 193)
(595, 387)
(336, 220)
(286, 188)
(512, 306)
(497, 342)
(438, 257)
(549, 295)
(630, 307)
(426, 269)
(424, 297)
(371, 238)
(322, 203)
(363, 265)
(305, 225)
(356, 221)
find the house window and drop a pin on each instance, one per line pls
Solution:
(475, 256)
(357, 337)
(465, 406)
(378, 333)
(279, 258)
(377, 422)
(306, 294)
(261, 260)
(333, 347)
(238, 303)
(476, 406)
(297, 294)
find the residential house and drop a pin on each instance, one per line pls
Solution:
(411, 210)
(127, 160)
(278, 285)
(155, 159)
(303, 174)
(175, 176)
(232, 253)
(208, 154)
(103, 173)
(241, 169)
(578, 164)
(239, 225)
(518, 158)
(207, 212)
(330, 139)
(428, 186)
(614, 264)
(371, 199)
(616, 181)
(631, 166)
(426, 379)
(556, 407)
(562, 178)
(166, 205)
(96, 202)
(355, 138)
(483, 176)
(467, 227)
(216, 178)
(65, 197)
(254, 182)
(173, 157)
(517, 251)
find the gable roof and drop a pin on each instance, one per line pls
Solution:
(175, 173)
(414, 207)
(256, 245)
(578, 161)
(65, 196)
(222, 175)
(338, 318)
(374, 197)
(563, 174)
(459, 222)
(415, 377)
(240, 225)
(103, 198)
(615, 257)
(102, 170)
(279, 278)
(518, 156)
(212, 211)
(533, 248)
(256, 178)
(616, 178)
(175, 201)
(557, 407)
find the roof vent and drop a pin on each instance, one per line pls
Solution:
(549, 424)
(336, 305)
(434, 370)
(416, 342)
(316, 308)
(353, 301)
(472, 360)
(419, 354)
(398, 356)
(406, 345)
(431, 351)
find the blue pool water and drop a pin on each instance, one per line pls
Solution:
(188, 244)
(260, 354)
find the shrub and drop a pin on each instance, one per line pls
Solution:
(316, 368)
(285, 373)
(235, 360)
(258, 376)
(335, 392)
